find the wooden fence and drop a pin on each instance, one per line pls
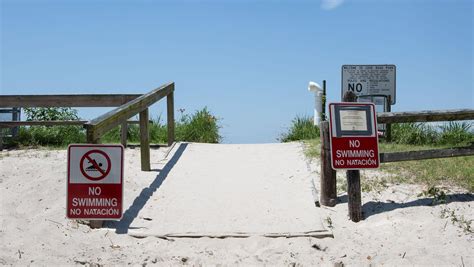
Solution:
(328, 194)
(127, 106)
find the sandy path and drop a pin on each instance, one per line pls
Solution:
(400, 228)
(224, 189)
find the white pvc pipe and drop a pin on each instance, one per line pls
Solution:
(318, 101)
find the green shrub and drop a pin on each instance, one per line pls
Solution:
(50, 135)
(50, 114)
(302, 128)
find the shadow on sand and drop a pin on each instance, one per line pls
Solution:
(122, 226)
(375, 207)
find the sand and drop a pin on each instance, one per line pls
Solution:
(400, 227)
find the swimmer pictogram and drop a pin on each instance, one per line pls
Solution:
(95, 165)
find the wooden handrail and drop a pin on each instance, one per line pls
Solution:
(100, 125)
(425, 116)
(426, 154)
(49, 123)
(89, 100)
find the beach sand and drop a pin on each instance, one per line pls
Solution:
(400, 227)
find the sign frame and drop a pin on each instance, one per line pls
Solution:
(346, 135)
(92, 182)
(393, 96)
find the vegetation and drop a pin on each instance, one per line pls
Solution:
(302, 128)
(458, 171)
(451, 133)
(201, 126)
(50, 135)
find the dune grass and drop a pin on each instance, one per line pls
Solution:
(302, 128)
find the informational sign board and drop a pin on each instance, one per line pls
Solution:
(95, 182)
(369, 80)
(354, 140)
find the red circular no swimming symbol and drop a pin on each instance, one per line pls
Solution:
(94, 169)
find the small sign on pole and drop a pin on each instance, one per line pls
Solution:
(354, 140)
(366, 80)
(94, 182)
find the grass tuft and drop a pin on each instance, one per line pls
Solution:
(302, 128)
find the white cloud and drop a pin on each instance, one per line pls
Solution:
(331, 4)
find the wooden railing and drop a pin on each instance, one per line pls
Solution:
(426, 116)
(119, 116)
(127, 106)
(46, 101)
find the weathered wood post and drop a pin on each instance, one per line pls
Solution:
(93, 140)
(328, 175)
(353, 179)
(323, 102)
(388, 126)
(170, 115)
(123, 134)
(144, 140)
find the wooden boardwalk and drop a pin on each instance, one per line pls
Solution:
(227, 190)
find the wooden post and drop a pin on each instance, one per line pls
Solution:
(388, 126)
(323, 102)
(328, 175)
(353, 179)
(123, 134)
(353, 194)
(93, 223)
(1, 138)
(170, 122)
(15, 117)
(144, 140)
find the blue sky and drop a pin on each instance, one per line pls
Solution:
(249, 62)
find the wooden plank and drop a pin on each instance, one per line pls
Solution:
(170, 116)
(109, 120)
(144, 141)
(425, 116)
(87, 100)
(426, 154)
(48, 123)
(315, 234)
(328, 175)
(36, 123)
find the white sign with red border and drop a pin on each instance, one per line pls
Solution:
(94, 182)
(354, 139)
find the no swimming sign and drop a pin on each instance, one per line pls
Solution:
(94, 182)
